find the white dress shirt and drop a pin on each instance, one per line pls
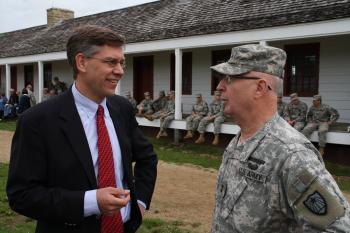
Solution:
(87, 110)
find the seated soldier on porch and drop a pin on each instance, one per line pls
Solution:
(216, 115)
(167, 116)
(131, 100)
(320, 116)
(159, 106)
(280, 105)
(145, 107)
(199, 110)
(295, 112)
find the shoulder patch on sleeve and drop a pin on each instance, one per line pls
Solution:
(318, 206)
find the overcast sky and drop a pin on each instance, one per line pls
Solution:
(19, 14)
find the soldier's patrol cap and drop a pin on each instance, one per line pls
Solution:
(162, 93)
(127, 93)
(317, 97)
(254, 57)
(293, 96)
(146, 93)
(198, 95)
(217, 93)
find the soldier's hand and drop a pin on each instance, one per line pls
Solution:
(110, 200)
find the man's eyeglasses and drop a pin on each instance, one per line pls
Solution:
(111, 62)
(229, 78)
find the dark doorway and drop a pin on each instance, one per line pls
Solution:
(29, 75)
(48, 75)
(13, 74)
(186, 73)
(143, 76)
(302, 69)
(217, 57)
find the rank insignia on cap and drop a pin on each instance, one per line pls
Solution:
(316, 203)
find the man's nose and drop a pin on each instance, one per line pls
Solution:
(118, 69)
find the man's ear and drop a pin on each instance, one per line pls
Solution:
(261, 87)
(80, 61)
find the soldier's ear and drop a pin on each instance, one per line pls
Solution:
(261, 87)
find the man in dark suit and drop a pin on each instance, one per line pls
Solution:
(71, 157)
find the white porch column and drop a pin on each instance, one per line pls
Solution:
(178, 84)
(41, 79)
(8, 80)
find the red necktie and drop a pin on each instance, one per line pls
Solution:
(106, 175)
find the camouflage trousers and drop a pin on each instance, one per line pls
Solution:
(217, 124)
(299, 125)
(165, 121)
(157, 115)
(322, 131)
(192, 122)
(147, 111)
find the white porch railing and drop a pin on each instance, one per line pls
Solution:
(341, 138)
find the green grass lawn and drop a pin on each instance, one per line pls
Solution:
(9, 125)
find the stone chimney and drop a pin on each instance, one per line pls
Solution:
(54, 15)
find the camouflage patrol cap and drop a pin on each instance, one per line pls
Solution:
(217, 93)
(127, 93)
(293, 96)
(254, 57)
(198, 95)
(146, 93)
(317, 97)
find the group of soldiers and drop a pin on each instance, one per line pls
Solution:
(202, 115)
(163, 108)
(319, 117)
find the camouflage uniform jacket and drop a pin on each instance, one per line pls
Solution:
(280, 108)
(295, 112)
(159, 104)
(324, 113)
(276, 182)
(201, 108)
(133, 102)
(170, 107)
(146, 104)
(216, 108)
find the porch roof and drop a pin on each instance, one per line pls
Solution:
(168, 19)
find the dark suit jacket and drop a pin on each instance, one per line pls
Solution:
(51, 165)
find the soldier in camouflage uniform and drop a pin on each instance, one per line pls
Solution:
(131, 100)
(216, 115)
(145, 107)
(295, 112)
(199, 110)
(167, 116)
(280, 106)
(159, 106)
(320, 116)
(272, 179)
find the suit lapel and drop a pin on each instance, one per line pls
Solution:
(74, 131)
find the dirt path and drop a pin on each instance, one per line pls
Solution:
(184, 193)
(5, 145)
